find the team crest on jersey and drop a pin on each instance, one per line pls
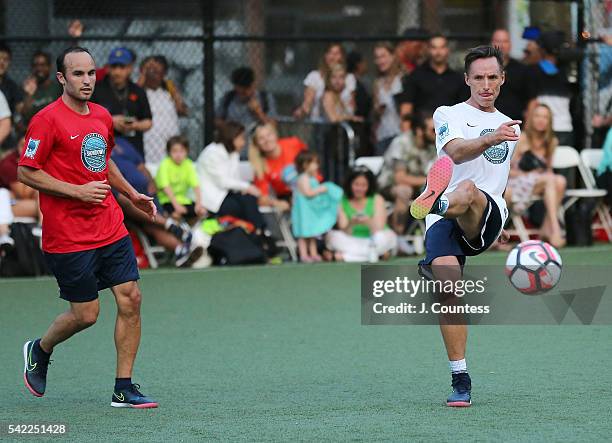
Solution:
(93, 152)
(31, 148)
(495, 154)
(443, 131)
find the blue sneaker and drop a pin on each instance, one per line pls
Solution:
(132, 398)
(34, 369)
(462, 391)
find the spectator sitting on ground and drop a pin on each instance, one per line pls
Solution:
(517, 89)
(334, 109)
(405, 167)
(387, 85)
(246, 104)
(125, 100)
(41, 88)
(270, 157)
(224, 192)
(25, 199)
(166, 105)
(315, 85)
(12, 92)
(176, 179)
(164, 230)
(363, 234)
(531, 173)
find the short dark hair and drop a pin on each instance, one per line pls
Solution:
(177, 140)
(303, 159)
(438, 35)
(61, 59)
(227, 132)
(243, 76)
(163, 61)
(6, 48)
(484, 51)
(359, 171)
(39, 53)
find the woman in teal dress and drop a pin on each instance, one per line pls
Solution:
(315, 206)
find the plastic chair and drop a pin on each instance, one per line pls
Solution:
(567, 157)
(374, 163)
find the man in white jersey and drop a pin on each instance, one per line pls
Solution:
(463, 203)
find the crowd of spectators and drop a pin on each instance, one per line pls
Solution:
(412, 79)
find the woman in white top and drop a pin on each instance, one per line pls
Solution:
(315, 84)
(387, 85)
(222, 189)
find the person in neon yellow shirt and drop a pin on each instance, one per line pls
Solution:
(176, 177)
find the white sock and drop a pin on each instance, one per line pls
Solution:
(457, 366)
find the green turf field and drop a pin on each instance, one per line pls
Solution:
(278, 353)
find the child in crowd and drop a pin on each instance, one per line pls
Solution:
(176, 179)
(315, 206)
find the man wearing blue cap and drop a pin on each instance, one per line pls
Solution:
(125, 100)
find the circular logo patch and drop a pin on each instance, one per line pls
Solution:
(495, 154)
(93, 152)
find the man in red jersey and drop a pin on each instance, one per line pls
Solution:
(67, 158)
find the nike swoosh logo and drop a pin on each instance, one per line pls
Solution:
(72, 137)
(119, 397)
(30, 367)
(432, 193)
(471, 126)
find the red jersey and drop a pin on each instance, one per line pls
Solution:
(76, 149)
(290, 148)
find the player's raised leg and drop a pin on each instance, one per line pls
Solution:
(36, 353)
(127, 339)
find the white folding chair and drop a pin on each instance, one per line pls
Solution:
(374, 163)
(567, 157)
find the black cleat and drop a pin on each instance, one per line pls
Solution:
(132, 398)
(35, 369)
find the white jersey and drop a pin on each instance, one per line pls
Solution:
(490, 170)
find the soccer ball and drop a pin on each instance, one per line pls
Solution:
(533, 267)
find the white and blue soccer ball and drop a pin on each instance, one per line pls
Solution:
(534, 267)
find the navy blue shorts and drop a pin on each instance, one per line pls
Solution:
(80, 275)
(445, 237)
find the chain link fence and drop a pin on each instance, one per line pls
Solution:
(204, 41)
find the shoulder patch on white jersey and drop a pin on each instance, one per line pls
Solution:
(443, 131)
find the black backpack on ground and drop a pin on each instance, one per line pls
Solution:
(25, 259)
(578, 218)
(236, 247)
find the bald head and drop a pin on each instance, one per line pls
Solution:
(501, 39)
